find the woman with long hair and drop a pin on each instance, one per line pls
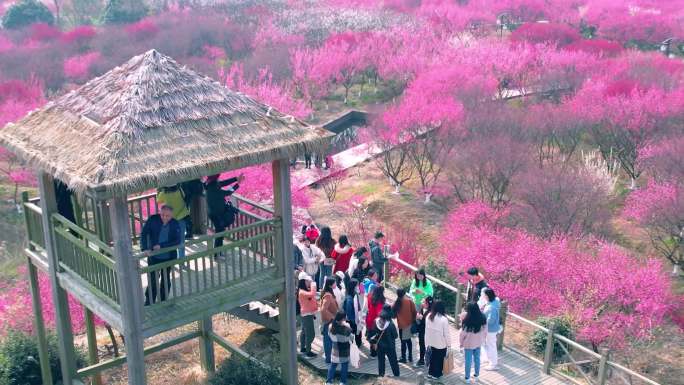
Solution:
(376, 300)
(328, 310)
(421, 287)
(340, 335)
(326, 243)
(473, 334)
(353, 305)
(405, 311)
(421, 318)
(437, 338)
(306, 297)
(491, 311)
(342, 253)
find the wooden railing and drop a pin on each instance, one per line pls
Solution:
(197, 272)
(142, 206)
(86, 258)
(34, 224)
(578, 363)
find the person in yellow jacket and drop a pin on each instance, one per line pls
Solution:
(174, 197)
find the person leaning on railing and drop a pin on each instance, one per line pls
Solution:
(221, 212)
(159, 232)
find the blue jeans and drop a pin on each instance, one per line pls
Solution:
(324, 271)
(470, 356)
(327, 343)
(344, 367)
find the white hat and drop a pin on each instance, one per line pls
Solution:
(340, 274)
(303, 275)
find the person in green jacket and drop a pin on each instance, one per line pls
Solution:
(174, 197)
(421, 287)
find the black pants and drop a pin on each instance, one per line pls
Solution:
(391, 354)
(157, 278)
(307, 161)
(373, 352)
(357, 336)
(437, 362)
(406, 345)
(221, 223)
(421, 343)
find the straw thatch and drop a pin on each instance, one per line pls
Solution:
(152, 122)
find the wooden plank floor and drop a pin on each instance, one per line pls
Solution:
(205, 273)
(514, 369)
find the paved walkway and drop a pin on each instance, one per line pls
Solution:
(513, 368)
(341, 161)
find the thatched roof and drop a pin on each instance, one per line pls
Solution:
(152, 122)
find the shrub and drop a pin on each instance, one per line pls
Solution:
(440, 270)
(26, 12)
(561, 326)
(123, 11)
(19, 363)
(238, 371)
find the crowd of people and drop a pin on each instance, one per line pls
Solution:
(340, 291)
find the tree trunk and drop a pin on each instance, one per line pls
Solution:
(676, 270)
(428, 196)
(632, 184)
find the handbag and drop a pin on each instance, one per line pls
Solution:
(354, 355)
(374, 341)
(448, 365)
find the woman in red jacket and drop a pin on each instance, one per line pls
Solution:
(342, 254)
(374, 304)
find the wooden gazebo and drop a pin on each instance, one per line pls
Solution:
(152, 122)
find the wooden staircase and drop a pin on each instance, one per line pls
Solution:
(260, 312)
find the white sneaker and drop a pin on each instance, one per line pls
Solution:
(491, 367)
(467, 380)
(474, 380)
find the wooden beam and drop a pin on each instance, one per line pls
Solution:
(114, 362)
(283, 257)
(65, 340)
(130, 290)
(39, 325)
(92, 342)
(206, 345)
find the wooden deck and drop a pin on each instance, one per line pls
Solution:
(514, 369)
(246, 278)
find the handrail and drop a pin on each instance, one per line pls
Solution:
(535, 325)
(82, 232)
(253, 204)
(208, 237)
(631, 372)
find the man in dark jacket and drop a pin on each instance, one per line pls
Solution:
(377, 255)
(159, 232)
(221, 213)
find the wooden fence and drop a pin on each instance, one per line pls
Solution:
(578, 363)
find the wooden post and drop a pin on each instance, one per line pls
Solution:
(548, 352)
(603, 366)
(130, 290)
(503, 313)
(92, 343)
(459, 304)
(39, 324)
(198, 211)
(283, 257)
(207, 359)
(65, 336)
(104, 231)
